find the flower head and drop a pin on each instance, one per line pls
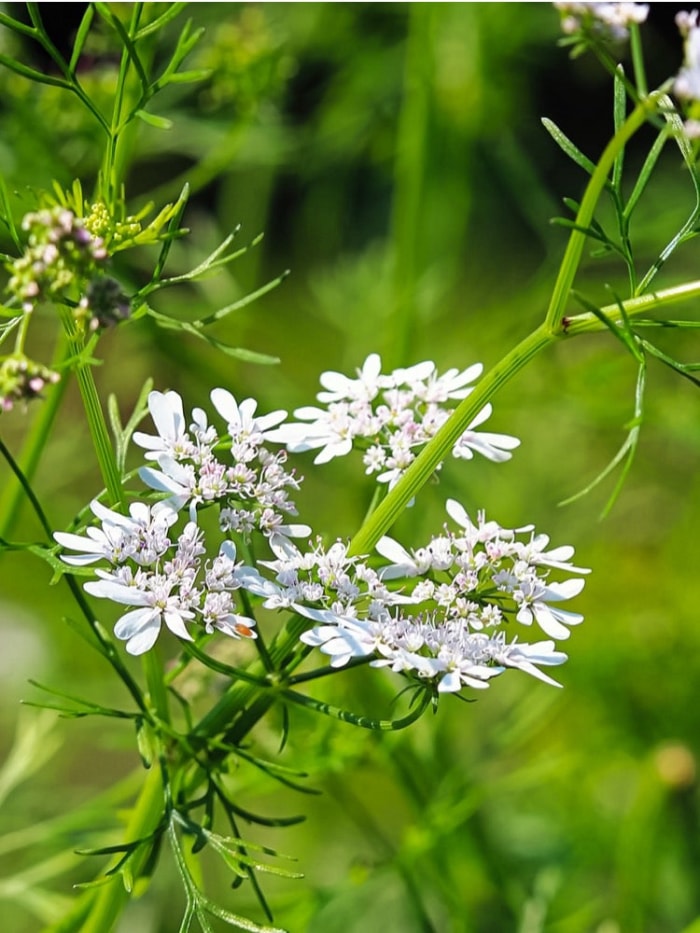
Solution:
(438, 613)
(247, 481)
(608, 21)
(22, 380)
(390, 417)
(165, 576)
(60, 253)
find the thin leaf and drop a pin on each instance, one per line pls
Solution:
(173, 227)
(122, 436)
(235, 673)
(113, 20)
(186, 42)
(206, 266)
(595, 232)
(85, 707)
(619, 115)
(33, 75)
(568, 147)
(247, 356)
(242, 302)
(623, 333)
(626, 453)
(650, 322)
(8, 218)
(683, 369)
(678, 133)
(173, 11)
(646, 172)
(189, 77)
(80, 38)
(241, 923)
(364, 722)
(152, 119)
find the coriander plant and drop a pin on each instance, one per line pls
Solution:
(195, 555)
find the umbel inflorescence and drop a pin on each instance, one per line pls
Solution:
(450, 613)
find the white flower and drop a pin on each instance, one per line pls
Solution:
(495, 447)
(391, 417)
(176, 478)
(526, 657)
(364, 388)
(534, 554)
(217, 613)
(244, 427)
(452, 384)
(403, 563)
(535, 597)
(168, 416)
(611, 20)
(159, 601)
(343, 642)
(332, 430)
(687, 84)
(447, 622)
(142, 535)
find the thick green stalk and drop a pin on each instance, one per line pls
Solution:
(577, 240)
(409, 173)
(93, 413)
(112, 897)
(113, 165)
(633, 307)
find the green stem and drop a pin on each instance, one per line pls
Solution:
(633, 307)
(113, 166)
(93, 412)
(153, 670)
(577, 240)
(409, 172)
(22, 332)
(112, 897)
(640, 78)
(232, 707)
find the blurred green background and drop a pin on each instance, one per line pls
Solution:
(394, 157)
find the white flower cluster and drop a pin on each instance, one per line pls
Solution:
(609, 20)
(163, 578)
(166, 576)
(687, 84)
(251, 488)
(390, 416)
(447, 622)
(438, 614)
